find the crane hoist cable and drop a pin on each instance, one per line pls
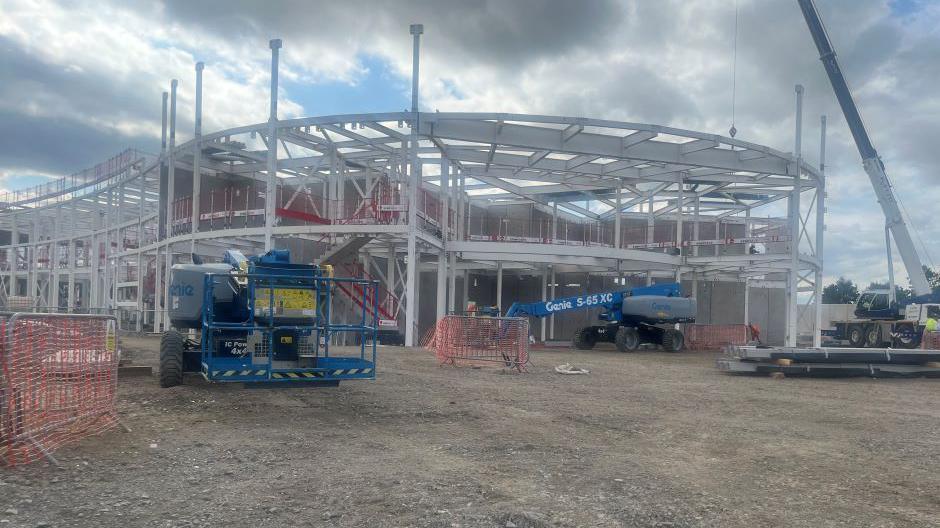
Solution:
(734, 70)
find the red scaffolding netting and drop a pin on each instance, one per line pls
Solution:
(58, 383)
(461, 339)
(712, 337)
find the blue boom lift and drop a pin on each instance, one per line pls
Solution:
(631, 317)
(263, 320)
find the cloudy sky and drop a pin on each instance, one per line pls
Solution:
(81, 80)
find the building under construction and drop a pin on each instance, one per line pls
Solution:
(442, 208)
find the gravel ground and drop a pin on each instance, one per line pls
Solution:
(647, 439)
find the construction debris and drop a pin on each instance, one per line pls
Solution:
(568, 368)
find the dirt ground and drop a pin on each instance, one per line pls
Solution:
(649, 439)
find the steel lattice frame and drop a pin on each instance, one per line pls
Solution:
(567, 168)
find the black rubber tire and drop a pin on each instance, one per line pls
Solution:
(585, 338)
(898, 342)
(627, 339)
(673, 341)
(171, 359)
(873, 336)
(856, 335)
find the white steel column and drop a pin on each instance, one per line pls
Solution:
(270, 194)
(157, 292)
(544, 298)
(551, 318)
(70, 299)
(680, 206)
(390, 276)
(197, 155)
(13, 255)
(445, 227)
(171, 170)
(794, 220)
(499, 286)
(820, 230)
(650, 232)
(414, 186)
(618, 218)
(747, 284)
(452, 272)
(695, 237)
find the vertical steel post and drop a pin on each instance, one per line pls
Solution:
(197, 155)
(499, 286)
(171, 170)
(445, 227)
(411, 287)
(820, 230)
(794, 211)
(270, 193)
(162, 184)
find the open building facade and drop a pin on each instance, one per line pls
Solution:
(440, 208)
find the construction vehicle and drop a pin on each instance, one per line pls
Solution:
(263, 320)
(631, 317)
(881, 322)
(880, 319)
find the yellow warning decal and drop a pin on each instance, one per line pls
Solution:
(110, 338)
(287, 301)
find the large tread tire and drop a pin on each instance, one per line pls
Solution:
(627, 339)
(909, 342)
(171, 359)
(673, 341)
(856, 335)
(585, 338)
(873, 336)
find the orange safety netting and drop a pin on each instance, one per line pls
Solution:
(59, 374)
(457, 339)
(712, 337)
(930, 341)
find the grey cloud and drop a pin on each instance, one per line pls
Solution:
(499, 32)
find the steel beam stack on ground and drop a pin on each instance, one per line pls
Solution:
(835, 362)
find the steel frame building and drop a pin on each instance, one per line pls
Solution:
(390, 195)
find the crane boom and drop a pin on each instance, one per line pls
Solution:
(870, 160)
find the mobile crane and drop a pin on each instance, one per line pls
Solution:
(880, 320)
(631, 317)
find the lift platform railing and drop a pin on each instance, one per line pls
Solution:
(254, 336)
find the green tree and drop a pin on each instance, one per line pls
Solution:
(903, 295)
(842, 291)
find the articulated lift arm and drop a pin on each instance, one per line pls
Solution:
(611, 301)
(873, 165)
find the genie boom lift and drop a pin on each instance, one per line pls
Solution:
(631, 317)
(263, 320)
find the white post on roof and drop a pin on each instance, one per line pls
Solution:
(171, 161)
(197, 155)
(411, 287)
(821, 229)
(794, 220)
(270, 193)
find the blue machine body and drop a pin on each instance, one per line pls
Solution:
(274, 324)
(612, 303)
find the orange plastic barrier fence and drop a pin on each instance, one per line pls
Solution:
(712, 337)
(457, 339)
(930, 341)
(59, 374)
